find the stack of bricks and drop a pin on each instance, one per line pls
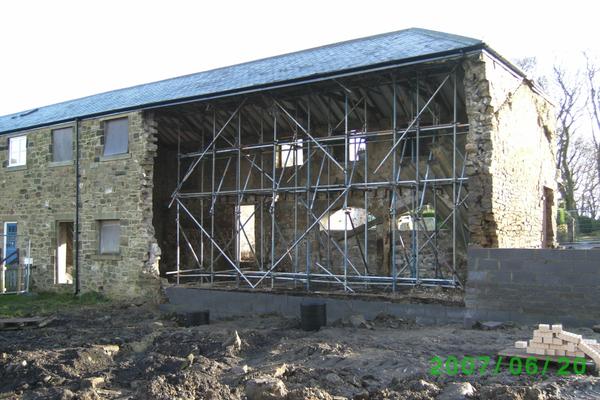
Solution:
(554, 341)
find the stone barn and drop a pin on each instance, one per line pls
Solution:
(361, 166)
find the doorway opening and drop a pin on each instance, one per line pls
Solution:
(247, 238)
(547, 231)
(64, 253)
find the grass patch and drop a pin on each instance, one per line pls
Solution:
(27, 305)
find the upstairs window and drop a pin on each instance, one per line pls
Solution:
(356, 146)
(289, 155)
(110, 236)
(62, 144)
(17, 151)
(116, 136)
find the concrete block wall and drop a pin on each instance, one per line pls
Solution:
(527, 286)
(534, 285)
(228, 303)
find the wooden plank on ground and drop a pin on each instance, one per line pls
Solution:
(24, 323)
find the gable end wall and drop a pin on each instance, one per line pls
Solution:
(510, 156)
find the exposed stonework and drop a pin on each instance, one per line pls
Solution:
(510, 157)
(510, 166)
(41, 193)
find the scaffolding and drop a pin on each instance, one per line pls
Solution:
(299, 158)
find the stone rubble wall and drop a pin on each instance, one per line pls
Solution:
(41, 194)
(510, 160)
(510, 156)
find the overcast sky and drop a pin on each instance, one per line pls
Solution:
(59, 50)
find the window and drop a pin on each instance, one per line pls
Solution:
(116, 136)
(110, 235)
(290, 155)
(62, 144)
(355, 217)
(356, 145)
(17, 151)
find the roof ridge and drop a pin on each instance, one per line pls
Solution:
(331, 58)
(330, 45)
(216, 69)
(436, 34)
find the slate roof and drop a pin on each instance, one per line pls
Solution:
(355, 55)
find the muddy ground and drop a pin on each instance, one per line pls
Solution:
(135, 352)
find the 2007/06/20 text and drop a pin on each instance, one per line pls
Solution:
(470, 365)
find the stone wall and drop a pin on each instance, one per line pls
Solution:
(510, 165)
(510, 157)
(42, 193)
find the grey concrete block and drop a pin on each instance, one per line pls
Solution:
(500, 277)
(337, 310)
(548, 267)
(498, 315)
(513, 265)
(455, 314)
(516, 254)
(369, 309)
(477, 276)
(587, 267)
(474, 252)
(569, 255)
(489, 265)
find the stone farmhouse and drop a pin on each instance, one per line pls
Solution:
(363, 165)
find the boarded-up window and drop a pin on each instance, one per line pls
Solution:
(62, 144)
(116, 136)
(17, 151)
(110, 236)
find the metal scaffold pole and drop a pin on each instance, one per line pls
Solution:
(355, 150)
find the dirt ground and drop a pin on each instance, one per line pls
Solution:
(134, 352)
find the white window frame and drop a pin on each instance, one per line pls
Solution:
(22, 152)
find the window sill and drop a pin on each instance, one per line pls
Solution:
(115, 157)
(16, 168)
(107, 257)
(53, 164)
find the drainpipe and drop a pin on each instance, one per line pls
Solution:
(77, 204)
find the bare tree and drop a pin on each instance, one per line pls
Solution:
(587, 182)
(578, 156)
(592, 75)
(569, 109)
(529, 65)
